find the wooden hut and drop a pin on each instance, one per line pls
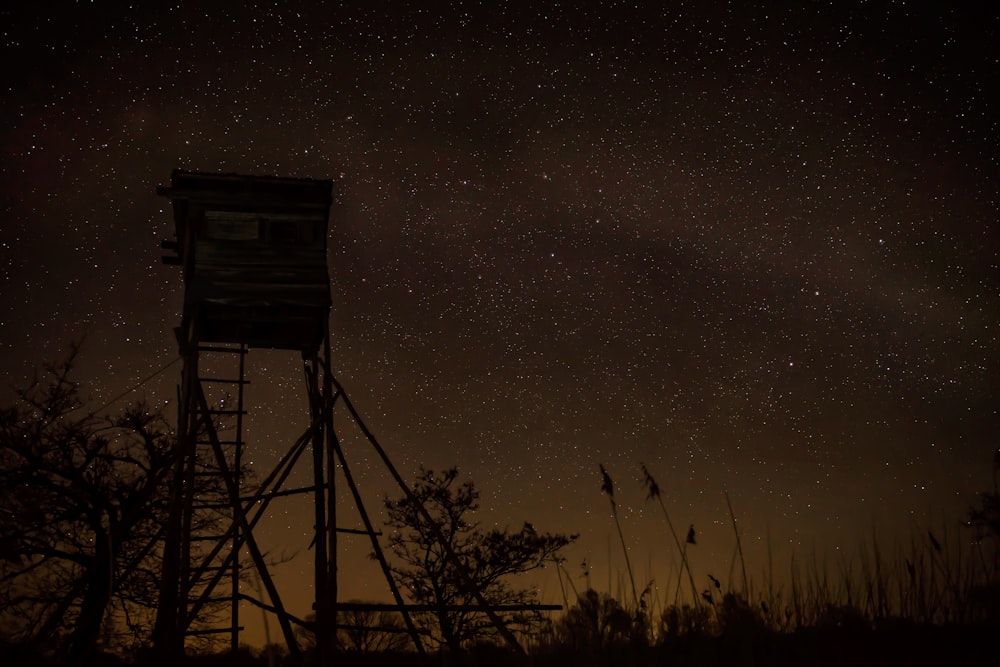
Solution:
(253, 252)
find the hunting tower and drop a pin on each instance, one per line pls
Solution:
(253, 254)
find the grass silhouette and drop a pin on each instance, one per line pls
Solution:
(930, 599)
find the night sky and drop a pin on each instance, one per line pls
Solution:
(751, 247)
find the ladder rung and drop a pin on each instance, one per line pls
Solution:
(224, 381)
(286, 492)
(358, 531)
(216, 348)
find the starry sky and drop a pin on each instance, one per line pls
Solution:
(752, 247)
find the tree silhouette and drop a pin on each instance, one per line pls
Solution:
(81, 501)
(359, 631)
(367, 631)
(484, 560)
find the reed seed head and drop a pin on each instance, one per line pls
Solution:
(652, 487)
(607, 486)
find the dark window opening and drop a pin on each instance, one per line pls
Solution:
(231, 226)
(284, 231)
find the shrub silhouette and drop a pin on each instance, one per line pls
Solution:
(685, 621)
(737, 617)
(596, 623)
(445, 560)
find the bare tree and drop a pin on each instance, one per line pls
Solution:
(82, 505)
(367, 631)
(483, 562)
(364, 631)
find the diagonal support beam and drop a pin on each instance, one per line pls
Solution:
(251, 542)
(259, 502)
(379, 554)
(495, 619)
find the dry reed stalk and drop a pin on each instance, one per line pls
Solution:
(653, 491)
(739, 544)
(694, 589)
(608, 487)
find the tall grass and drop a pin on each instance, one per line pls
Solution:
(739, 543)
(608, 487)
(934, 577)
(653, 491)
